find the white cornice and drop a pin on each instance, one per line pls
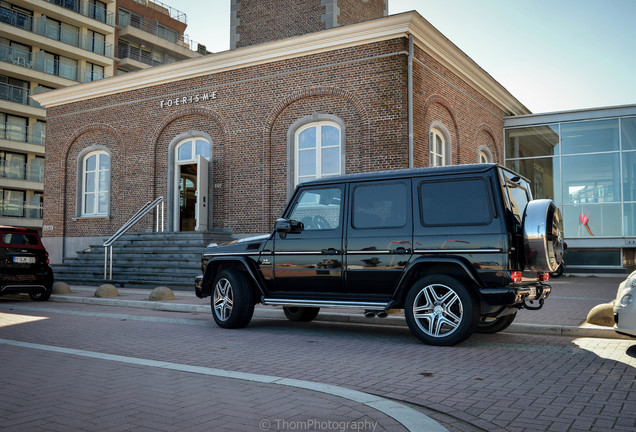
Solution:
(391, 27)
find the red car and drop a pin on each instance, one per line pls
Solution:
(24, 264)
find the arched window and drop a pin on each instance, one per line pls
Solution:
(188, 150)
(95, 184)
(317, 151)
(484, 155)
(437, 149)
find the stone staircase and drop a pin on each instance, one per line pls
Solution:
(143, 260)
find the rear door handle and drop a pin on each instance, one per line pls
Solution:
(401, 250)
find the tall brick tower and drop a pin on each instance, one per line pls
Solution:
(258, 21)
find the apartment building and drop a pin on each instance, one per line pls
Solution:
(51, 44)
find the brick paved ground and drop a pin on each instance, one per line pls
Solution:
(501, 382)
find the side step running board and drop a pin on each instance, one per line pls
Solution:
(325, 303)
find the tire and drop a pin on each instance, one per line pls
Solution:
(232, 300)
(495, 325)
(41, 296)
(543, 236)
(559, 272)
(301, 314)
(439, 310)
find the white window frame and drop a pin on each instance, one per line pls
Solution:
(86, 212)
(318, 149)
(436, 158)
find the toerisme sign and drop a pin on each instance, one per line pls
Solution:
(185, 100)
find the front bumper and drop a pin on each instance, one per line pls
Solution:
(198, 286)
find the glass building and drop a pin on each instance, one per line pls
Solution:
(585, 160)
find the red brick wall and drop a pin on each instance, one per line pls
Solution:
(269, 20)
(249, 121)
(353, 11)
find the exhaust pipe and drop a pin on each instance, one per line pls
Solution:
(375, 314)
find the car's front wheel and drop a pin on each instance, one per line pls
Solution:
(232, 301)
(301, 314)
(440, 310)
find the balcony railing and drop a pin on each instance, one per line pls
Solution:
(86, 9)
(40, 62)
(20, 209)
(137, 54)
(153, 27)
(17, 94)
(34, 135)
(21, 171)
(165, 9)
(52, 30)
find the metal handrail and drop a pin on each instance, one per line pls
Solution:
(143, 211)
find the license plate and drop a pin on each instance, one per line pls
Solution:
(24, 260)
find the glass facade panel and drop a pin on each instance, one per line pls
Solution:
(628, 133)
(544, 175)
(629, 176)
(591, 179)
(589, 136)
(532, 141)
(629, 219)
(592, 220)
(596, 257)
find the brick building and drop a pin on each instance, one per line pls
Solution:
(353, 90)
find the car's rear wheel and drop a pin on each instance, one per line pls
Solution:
(495, 325)
(440, 310)
(232, 301)
(301, 314)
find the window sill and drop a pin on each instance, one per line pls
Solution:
(90, 217)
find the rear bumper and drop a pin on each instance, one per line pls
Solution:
(516, 294)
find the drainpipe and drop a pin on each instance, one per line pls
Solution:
(410, 100)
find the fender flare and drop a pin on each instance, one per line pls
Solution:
(409, 274)
(238, 261)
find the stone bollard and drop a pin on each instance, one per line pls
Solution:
(602, 315)
(161, 293)
(107, 290)
(61, 288)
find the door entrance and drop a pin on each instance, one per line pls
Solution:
(187, 197)
(191, 209)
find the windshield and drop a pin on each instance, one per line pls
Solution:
(517, 191)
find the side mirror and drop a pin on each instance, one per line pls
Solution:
(284, 226)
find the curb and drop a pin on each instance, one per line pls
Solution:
(520, 328)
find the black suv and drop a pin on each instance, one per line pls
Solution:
(24, 264)
(448, 245)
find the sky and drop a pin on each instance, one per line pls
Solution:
(552, 55)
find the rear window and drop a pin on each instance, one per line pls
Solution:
(19, 239)
(455, 202)
(517, 193)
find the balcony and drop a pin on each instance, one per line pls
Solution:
(42, 62)
(132, 25)
(19, 133)
(18, 95)
(20, 209)
(41, 27)
(22, 171)
(86, 9)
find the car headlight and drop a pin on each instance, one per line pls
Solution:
(627, 299)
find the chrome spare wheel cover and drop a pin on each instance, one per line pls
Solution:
(223, 299)
(438, 310)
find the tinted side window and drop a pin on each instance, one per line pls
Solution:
(379, 206)
(455, 202)
(19, 239)
(318, 209)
